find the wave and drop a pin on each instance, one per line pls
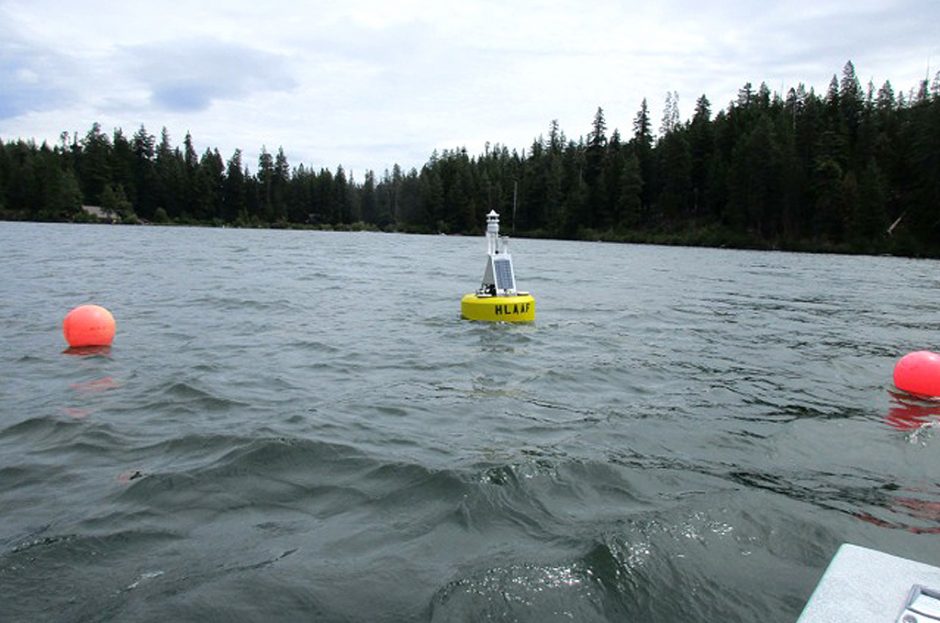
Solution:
(83, 564)
(654, 566)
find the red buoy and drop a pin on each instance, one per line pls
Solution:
(919, 373)
(88, 325)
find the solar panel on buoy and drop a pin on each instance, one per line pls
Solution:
(504, 277)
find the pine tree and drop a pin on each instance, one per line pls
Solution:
(234, 201)
(670, 113)
(56, 191)
(556, 138)
(5, 178)
(189, 199)
(754, 181)
(675, 168)
(95, 164)
(170, 177)
(763, 96)
(368, 201)
(608, 214)
(868, 221)
(341, 208)
(431, 192)
(593, 174)
(643, 149)
(745, 96)
(541, 185)
(851, 100)
(67, 200)
(265, 177)
(629, 207)
(279, 185)
(209, 187)
(145, 192)
(123, 165)
(924, 140)
(830, 214)
(701, 147)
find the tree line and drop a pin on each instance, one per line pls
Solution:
(851, 170)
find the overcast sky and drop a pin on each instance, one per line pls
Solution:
(367, 83)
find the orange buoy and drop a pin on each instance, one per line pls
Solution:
(88, 325)
(919, 373)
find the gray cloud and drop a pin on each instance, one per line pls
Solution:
(30, 78)
(186, 76)
(368, 83)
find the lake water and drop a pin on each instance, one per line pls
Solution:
(298, 426)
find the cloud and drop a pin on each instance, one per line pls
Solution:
(29, 79)
(367, 83)
(184, 76)
(183, 97)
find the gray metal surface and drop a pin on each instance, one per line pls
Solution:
(867, 586)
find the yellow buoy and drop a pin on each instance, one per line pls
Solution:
(519, 308)
(497, 300)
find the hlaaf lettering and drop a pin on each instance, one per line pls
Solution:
(515, 310)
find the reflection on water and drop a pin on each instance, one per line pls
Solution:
(914, 511)
(910, 412)
(88, 351)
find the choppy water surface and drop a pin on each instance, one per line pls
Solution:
(298, 426)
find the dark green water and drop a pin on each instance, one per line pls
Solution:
(298, 426)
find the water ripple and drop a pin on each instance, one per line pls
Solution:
(303, 428)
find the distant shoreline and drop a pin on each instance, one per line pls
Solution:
(851, 171)
(704, 238)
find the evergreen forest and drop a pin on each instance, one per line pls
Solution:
(853, 170)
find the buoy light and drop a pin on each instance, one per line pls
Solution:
(918, 373)
(88, 325)
(497, 300)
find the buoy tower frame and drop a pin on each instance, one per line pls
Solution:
(497, 299)
(499, 279)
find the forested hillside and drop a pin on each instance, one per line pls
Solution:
(855, 169)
